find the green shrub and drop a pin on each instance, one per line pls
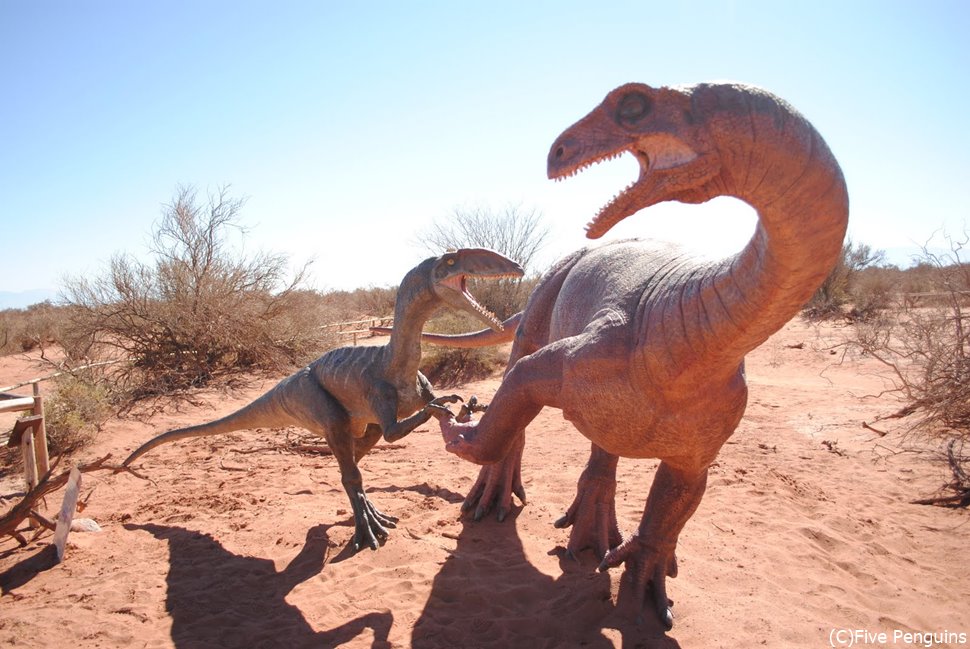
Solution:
(74, 413)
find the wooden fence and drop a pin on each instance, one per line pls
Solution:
(359, 328)
(30, 433)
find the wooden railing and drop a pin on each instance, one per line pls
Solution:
(30, 433)
(360, 328)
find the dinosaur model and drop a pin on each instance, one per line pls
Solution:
(352, 396)
(641, 345)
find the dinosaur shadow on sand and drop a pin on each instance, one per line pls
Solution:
(531, 609)
(220, 599)
(426, 490)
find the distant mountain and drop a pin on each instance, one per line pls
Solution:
(23, 299)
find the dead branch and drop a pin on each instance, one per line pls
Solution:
(19, 512)
(881, 433)
(54, 375)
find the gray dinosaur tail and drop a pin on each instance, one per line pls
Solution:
(263, 412)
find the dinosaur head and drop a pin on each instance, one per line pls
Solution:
(660, 128)
(450, 273)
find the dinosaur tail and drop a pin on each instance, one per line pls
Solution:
(482, 338)
(263, 412)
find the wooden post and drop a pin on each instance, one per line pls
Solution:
(66, 515)
(40, 434)
(30, 458)
(30, 466)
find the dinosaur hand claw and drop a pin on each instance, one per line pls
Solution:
(439, 412)
(448, 398)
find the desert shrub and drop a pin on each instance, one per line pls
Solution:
(360, 303)
(197, 311)
(23, 330)
(446, 367)
(872, 291)
(374, 301)
(835, 291)
(74, 412)
(926, 350)
(517, 233)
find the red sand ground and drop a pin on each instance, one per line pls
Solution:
(236, 543)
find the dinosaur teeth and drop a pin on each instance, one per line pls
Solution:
(581, 166)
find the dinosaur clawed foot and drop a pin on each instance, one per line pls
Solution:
(495, 485)
(370, 524)
(592, 517)
(649, 567)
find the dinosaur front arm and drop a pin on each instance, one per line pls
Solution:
(533, 382)
(384, 403)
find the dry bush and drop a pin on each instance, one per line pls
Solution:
(374, 302)
(872, 291)
(447, 367)
(198, 311)
(517, 233)
(37, 326)
(926, 350)
(836, 291)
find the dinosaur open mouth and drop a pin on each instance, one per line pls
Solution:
(660, 158)
(622, 204)
(459, 284)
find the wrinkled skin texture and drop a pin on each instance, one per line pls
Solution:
(352, 396)
(642, 346)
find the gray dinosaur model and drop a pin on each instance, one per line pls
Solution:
(352, 396)
(642, 346)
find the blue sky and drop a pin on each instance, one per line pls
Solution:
(351, 126)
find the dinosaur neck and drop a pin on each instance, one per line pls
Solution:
(787, 173)
(412, 309)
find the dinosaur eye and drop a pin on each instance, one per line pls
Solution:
(633, 107)
(451, 262)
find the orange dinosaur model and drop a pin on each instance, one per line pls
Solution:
(641, 345)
